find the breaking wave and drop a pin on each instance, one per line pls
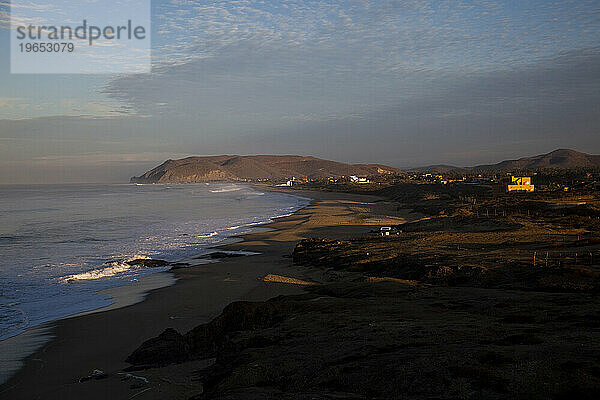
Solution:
(208, 235)
(109, 269)
(227, 189)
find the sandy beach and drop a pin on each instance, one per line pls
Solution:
(95, 345)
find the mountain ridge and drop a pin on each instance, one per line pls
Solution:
(559, 159)
(252, 168)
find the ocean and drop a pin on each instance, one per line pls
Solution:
(61, 244)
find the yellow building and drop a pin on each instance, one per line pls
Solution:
(520, 184)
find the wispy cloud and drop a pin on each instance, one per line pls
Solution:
(6, 102)
(100, 159)
(335, 58)
(394, 81)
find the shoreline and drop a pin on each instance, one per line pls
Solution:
(17, 348)
(14, 350)
(112, 267)
(102, 340)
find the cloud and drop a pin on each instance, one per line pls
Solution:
(100, 159)
(334, 58)
(466, 119)
(6, 102)
(5, 15)
(405, 82)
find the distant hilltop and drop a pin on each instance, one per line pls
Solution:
(254, 169)
(559, 159)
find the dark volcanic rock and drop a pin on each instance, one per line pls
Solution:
(167, 348)
(148, 263)
(205, 340)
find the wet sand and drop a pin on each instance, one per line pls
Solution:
(103, 340)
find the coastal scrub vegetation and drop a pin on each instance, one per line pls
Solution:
(487, 295)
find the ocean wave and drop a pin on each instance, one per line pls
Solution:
(227, 189)
(85, 240)
(209, 235)
(109, 269)
(99, 273)
(10, 239)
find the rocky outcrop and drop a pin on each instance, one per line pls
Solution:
(167, 348)
(206, 340)
(148, 263)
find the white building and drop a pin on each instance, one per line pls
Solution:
(359, 179)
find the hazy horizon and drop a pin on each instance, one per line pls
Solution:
(401, 83)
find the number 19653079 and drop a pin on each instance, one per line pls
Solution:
(63, 47)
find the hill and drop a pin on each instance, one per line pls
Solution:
(559, 159)
(254, 168)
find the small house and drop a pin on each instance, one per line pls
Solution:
(520, 184)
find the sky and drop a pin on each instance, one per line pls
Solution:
(404, 83)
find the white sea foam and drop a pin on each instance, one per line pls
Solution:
(227, 189)
(109, 269)
(231, 228)
(208, 235)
